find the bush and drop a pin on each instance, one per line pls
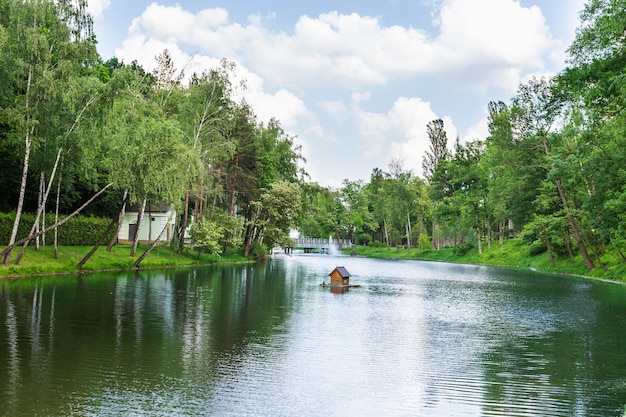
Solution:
(462, 249)
(364, 239)
(259, 251)
(537, 248)
(425, 243)
(78, 231)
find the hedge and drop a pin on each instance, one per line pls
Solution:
(78, 231)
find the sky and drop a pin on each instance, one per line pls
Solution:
(355, 82)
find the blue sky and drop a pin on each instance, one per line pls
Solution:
(354, 81)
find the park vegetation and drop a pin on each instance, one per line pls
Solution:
(83, 135)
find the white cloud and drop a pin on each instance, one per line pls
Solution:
(482, 44)
(401, 132)
(97, 7)
(493, 41)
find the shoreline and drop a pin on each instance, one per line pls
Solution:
(509, 266)
(44, 263)
(96, 271)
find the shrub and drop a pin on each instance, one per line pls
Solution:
(364, 239)
(425, 242)
(78, 231)
(462, 249)
(259, 251)
(537, 248)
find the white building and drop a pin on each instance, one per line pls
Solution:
(154, 220)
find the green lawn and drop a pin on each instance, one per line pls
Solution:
(514, 253)
(43, 262)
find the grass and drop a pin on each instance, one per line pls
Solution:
(514, 253)
(43, 261)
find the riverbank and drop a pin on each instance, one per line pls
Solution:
(43, 262)
(515, 253)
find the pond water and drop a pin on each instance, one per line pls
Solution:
(416, 339)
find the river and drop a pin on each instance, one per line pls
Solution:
(416, 339)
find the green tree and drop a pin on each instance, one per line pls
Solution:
(46, 47)
(355, 199)
(274, 215)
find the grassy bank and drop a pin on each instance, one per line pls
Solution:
(43, 262)
(514, 253)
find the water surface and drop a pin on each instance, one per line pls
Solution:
(417, 339)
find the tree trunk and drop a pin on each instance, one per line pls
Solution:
(150, 224)
(154, 243)
(621, 254)
(408, 231)
(120, 222)
(183, 228)
(548, 247)
(568, 243)
(56, 210)
(35, 228)
(479, 236)
(139, 221)
(98, 243)
(27, 142)
(594, 248)
(386, 233)
(215, 191)
(232, 187)
(42, 179)
(575, 228)
(251, 231)
(488, 223)
(434, 225)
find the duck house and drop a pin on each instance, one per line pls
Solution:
(340, 277)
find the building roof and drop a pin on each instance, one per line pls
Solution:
(158, 208)
(342, 271)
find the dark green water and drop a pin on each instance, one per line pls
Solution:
(417, 339)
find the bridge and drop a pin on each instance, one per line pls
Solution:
(310, 245)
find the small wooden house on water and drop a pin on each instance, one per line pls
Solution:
(340, 277)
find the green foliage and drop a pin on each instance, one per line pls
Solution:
(463, 249)
(537, 248)
(205, 236)
(425, 243)
(79, 231)
(364, 239)
(259, 251)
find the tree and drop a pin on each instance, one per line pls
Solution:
(45, 46)
(540, 111)
(438, 149)
(355, 200)
(437, 153)
(274, 214)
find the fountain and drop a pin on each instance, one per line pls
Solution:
(333, 249)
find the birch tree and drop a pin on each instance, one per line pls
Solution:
(43, 42)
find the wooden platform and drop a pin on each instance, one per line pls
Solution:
(323, 284)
